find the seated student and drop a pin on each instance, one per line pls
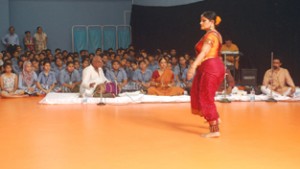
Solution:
(46, 80)
(59, 66)
(78, 67)
(179, 72)
(70, 79)
(279, 81)
(117, 74)
(85, 63)
(174, 62)
(15, 58)
(131, 68)
(124, 63)
(131, 85)
(106, 63)
(28, 79)
(9, 83)
(142, 77)
(162, 81)
(18, 68)
(36, 66)
(153, 65)
(69, 58)
(188, 83)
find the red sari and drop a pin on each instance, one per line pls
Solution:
(209, 75)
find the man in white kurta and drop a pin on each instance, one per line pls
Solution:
(92, 76)
(279, 81)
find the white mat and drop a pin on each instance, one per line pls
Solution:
(73, 98)
(136, 97)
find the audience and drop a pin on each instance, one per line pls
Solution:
(38, 71)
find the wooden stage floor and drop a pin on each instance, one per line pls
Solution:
(147, 136)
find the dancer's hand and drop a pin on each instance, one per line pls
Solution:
(191, 73)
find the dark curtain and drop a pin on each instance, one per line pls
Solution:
(257, 27)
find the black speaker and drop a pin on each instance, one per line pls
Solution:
(249, 77)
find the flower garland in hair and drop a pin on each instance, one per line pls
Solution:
(218, 20)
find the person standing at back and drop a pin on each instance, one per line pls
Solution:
(11, 40)
(40, 40)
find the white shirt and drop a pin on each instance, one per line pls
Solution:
(90, 75)
(9, 39)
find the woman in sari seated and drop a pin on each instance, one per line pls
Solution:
(162, 81)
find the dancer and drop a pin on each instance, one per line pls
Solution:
(210, 72)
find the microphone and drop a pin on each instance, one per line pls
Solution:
(116, 83)
(101, 103)
(270, 97)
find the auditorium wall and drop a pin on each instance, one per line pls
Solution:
(58, 16)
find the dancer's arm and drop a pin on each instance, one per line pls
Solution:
(205, 49)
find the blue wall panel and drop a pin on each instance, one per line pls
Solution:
(58, 16)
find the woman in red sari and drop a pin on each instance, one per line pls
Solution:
(209, 72)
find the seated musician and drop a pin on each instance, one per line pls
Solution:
(279, 81)
(93, 78)
(230, 83)
(231, 47)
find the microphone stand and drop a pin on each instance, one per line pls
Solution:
(270, 97)
(116, 92)
(225, 99)
(101, 103)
